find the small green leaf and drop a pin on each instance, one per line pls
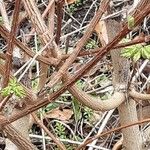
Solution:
(147, 49)
(13, 88)
(145, 52)
(129, 52)
(137, 56)
(76, 109)
(1, 20)
(131, 22)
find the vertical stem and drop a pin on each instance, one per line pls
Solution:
(59, 13)
(127, 110)
(9, 52)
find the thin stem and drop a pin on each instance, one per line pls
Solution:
(38, 121)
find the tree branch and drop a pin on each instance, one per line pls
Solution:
(9, 52)
(52, 61)
(16, 137)
(139, 96)
(91, 139)
(39, 25)
(58, 143)
(103, 7)
(138, 18)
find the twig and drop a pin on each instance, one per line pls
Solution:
(121, 45)
(77, 30)
(29, 94)
(82, 53)
(52, 61)
(39, 24)
(48, 8)
(9, 52)
(87, 13)
(4, 101)
(59, 12)
(33, 59)
(68, 141)
(4, 32)
(80, 44)
(102, 126)
(38, 121)
(112, 130)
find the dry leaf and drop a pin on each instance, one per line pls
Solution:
(102, 32)
(62, 115)
(71, 1)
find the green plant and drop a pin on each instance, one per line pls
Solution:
(1, 20)
(80, 84)
(13, 88)
(34, 84)
(102, 78)
(50, 106)
(68, 147)
(91, 44)
(88, 113)
(61, 133)
(60, 130)
(76, 109)
(74, 7)
(136, 52)
(131, 22)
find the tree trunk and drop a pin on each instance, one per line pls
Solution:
(131, 136)
(127, 111)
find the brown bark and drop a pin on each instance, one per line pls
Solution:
(52, 61)
(63, 69)
(9, 52)
(127, 110)
(40, 26)
(131, 136)
(18, 139)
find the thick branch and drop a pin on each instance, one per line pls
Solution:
(5, 33)
(59, 13)
(95, 103)
(39, 24)
(16, 137)
(48, 9)
(9, 52)
(139, 96)
(103, 7)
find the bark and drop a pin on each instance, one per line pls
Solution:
(131, 136)
(43, 66)
(17, 138)
(17, 132)
(127, 110)
(96, 103)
